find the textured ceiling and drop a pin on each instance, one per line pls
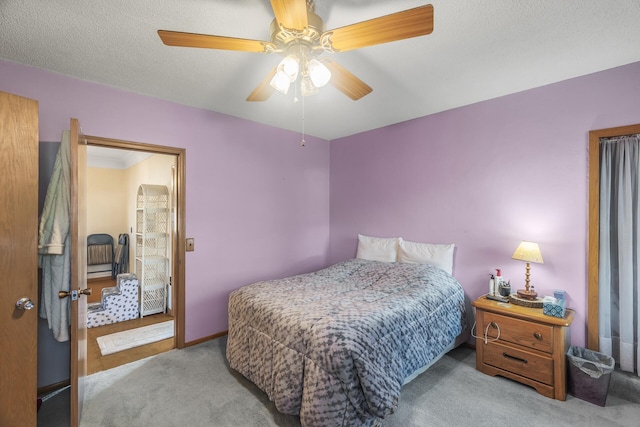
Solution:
(478, 50)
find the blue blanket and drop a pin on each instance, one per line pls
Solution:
(336, 345)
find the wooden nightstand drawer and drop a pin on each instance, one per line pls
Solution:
(521, 332)
(537, 366)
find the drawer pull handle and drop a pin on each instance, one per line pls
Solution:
(486, 332)
(538, 336)
(517, 359)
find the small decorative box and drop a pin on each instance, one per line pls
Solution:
(555, 309)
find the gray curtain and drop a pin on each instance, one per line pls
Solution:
(619, 255)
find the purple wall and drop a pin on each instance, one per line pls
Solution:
(485, 177)
(257, 202)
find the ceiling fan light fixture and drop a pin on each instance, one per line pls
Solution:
(281, 82)
(318, 72)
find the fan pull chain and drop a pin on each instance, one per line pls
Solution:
(295, 101)
(303, 141)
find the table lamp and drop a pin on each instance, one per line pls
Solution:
(528, 252)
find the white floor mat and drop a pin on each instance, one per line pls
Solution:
(120, 341)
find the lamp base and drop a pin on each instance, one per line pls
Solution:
(531, 303)
(527, 294)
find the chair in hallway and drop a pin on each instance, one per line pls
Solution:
(100, 254)
(121, 260)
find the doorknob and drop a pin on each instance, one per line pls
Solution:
(24, 304)
(74, 294)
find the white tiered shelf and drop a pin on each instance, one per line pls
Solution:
(152, 247)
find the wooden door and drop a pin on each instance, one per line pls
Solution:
(78, 234)
(18, 259)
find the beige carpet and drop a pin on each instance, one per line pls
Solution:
(120, 341)
(195, 387)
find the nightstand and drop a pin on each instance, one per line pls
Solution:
(524, 345)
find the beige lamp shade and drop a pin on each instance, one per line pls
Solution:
(528, 251)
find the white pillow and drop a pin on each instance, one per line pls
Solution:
(378, 248)
(427, 253)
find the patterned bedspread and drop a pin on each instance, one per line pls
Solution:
(335, 346)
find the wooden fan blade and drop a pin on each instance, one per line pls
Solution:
(397, 26)
(264, 90)
(176, 38)
(291, 14)
(346, 82)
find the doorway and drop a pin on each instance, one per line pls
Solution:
(114, 178)
(178, 218)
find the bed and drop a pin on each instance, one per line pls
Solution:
(335, 346)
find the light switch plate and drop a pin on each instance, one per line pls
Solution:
(190, 244)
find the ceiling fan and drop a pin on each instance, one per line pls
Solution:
(299, 35)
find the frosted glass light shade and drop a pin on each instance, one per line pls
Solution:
(528, 251)
(318, 72)
(280, 82)
(286, 73)
(307, 87)
(290, 67)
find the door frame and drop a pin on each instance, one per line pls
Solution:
(179, 241)
(78, 264)
(593, 259)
